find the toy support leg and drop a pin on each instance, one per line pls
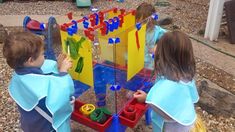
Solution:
(49, 40)
(116, 126)
(148, 116)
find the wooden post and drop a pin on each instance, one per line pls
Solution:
(214, 19)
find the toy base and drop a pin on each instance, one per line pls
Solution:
(140, 110)
(77, 116)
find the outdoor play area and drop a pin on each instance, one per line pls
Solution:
(107, 49)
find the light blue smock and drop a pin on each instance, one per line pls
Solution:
(176, 99)
(27, 90)
(152, 37)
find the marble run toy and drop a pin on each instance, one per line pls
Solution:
(107, 50)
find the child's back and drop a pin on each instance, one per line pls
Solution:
(174, 94)
(41, 92)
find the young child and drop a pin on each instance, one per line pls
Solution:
(41, 89)
(153, 32)
(173, 96)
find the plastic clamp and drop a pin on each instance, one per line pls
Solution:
(116, 22)
(155, 16)
(75, 26)
(138, 26)
(101, 16)
(70, 15)
(121, 18)
(115, 87)
(111, 25)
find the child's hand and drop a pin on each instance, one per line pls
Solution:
(140, 96)
(64, 63)
(60, 58)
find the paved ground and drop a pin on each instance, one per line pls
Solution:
(216, 58)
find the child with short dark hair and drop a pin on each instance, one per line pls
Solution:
(173, 96)
(41, 88)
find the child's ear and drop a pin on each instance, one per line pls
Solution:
(29, 62)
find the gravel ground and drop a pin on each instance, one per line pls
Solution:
(188, 15)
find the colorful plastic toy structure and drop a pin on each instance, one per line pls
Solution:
(107, 49)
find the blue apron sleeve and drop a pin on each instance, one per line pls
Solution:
(28, 89)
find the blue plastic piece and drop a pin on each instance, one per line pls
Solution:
(115, 87)
(113, 40)
(112, 25)
(74, 27)
(85, 22)
(79, 88)
(101, 103)
(116, 23)
(96, 19)
(117, 40)
(148, 116)
(42, 27)
(155, 16)
(138, 26)
(152, 55)
(70, 31)
(75, 24)
(26, 20)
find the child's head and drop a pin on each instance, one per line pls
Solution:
(174, 57)
(23, 49)
(143, 11)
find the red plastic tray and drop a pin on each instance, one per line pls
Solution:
(77, 116)
(140, 110)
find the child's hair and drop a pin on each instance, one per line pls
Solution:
(174, 57)
(20, 46)
(143, 11)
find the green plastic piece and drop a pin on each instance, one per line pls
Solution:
(100, 115)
